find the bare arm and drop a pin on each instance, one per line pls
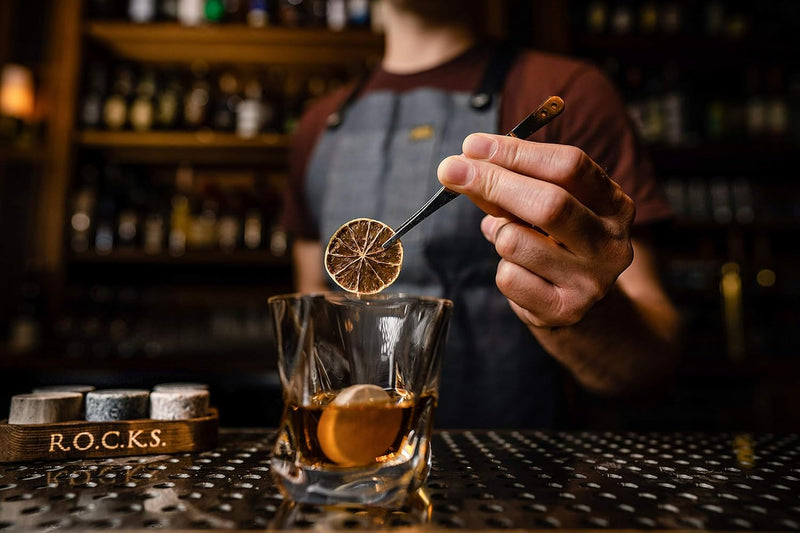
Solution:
(628, 342)
(587, 289)
(307, 258)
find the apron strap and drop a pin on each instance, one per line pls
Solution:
(494, 76)
(336, 118)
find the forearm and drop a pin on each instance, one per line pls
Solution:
(307, 259)
(621, 347)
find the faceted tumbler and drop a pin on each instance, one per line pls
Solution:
(360, 379)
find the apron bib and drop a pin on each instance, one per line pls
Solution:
(380, 162)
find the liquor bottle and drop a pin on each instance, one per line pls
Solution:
(229, 227)
(225, 102)
(293, 13)
(191, 12)
(81, 220)
(155, 220)
(273, 104)
(258, 13)
(168, 10)
(596, 17)
(376, 16)
(793, 98)
(104, 229)
(129, 231)
(636, 102)
(253, 227)
(756, 115)
(249, 112)
(168, 104)
(293, 102)
(235, 11)
(336, 15)
(195, 102)
(142, 111)
(153, 238)
(91, 114)
(203, 226)
(181, 210)
(318, 13)
(777, 108)
(622, 18)
(714, 17)
(214, 10)
(672, 18)
(140, 11)
(648, 17)
(104, 9)
(673, 107)
(358, 13)
(115, 108)
(25, 329)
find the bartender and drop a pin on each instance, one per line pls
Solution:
(583, 294)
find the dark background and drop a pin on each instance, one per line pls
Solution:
(714, 88)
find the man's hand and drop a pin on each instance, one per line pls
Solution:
(561, 226)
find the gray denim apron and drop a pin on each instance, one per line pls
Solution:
(379, 161)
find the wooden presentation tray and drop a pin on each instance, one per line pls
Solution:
(79, 439)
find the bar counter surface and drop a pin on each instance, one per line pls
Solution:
(480, 480)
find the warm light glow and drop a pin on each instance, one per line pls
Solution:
(765, 277)
(16, 91)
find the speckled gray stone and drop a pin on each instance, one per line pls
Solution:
(180, 386)
(178, 404)
(45, 407)
(83, 389)
(116, 404)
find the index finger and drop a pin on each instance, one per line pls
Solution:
(566, 166)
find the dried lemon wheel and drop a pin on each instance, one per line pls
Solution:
(356, 261)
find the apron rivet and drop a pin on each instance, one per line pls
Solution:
(480, 100)
(334, 120)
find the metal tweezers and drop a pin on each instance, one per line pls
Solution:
(547, 111)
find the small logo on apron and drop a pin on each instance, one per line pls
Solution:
(422, 132)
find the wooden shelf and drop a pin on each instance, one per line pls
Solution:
(14, 154)
(204, 146)
(211, 257)
(684, 49)
(260, 366)
(235, 43)
(168, 140)
(755, 157)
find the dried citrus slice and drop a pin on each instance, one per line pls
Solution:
(356, 261)
(358, 426)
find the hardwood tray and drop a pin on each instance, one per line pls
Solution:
(79, 439)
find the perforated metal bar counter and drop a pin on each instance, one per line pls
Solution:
(481, 480)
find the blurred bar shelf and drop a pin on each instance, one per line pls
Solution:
(27, 361)
(723, 156)
(235, 43)
(211, 257)
(203, 139)
(690, 50)
(20, 154)
(204, 146)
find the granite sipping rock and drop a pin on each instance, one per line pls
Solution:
(180, 386)
(45, 407)
(83, 389)
(116, 404)
(178, 404)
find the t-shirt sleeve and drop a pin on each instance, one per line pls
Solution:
(595, 120)
(296, 216)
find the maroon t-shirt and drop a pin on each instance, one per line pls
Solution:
(594, 119)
